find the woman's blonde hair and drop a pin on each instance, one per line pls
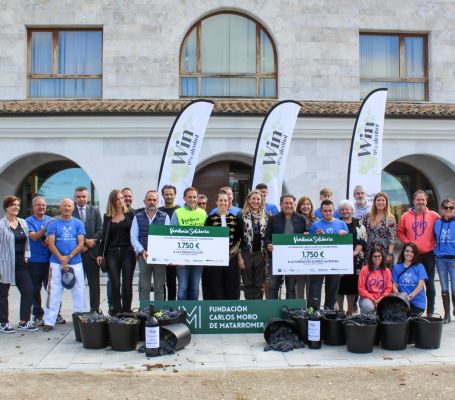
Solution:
(111, 208)
(247, 207)
(374, 210)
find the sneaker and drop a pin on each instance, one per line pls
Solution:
(60, 320)
(38, 321)
(27, 326)
(6, 328)
(47, 328)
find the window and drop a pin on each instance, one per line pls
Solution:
(396, 61)
(64, 63)
(228, 55)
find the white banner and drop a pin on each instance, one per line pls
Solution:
(186, 245)
(365, 160)
(273, 146)
(312, 254)
(183, 146)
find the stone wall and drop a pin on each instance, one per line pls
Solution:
(317, 41)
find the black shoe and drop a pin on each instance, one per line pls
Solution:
(47, 328)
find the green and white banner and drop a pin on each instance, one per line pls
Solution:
(312, 254)
(188, 245)
(183, 145)
(273, 146)
(365, 159)
(228, 316)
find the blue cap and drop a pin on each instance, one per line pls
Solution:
(68, 278)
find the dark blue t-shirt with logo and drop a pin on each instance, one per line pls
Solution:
(66, 233)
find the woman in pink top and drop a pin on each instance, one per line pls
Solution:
(375, 281)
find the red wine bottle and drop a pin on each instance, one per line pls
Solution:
(152, 335)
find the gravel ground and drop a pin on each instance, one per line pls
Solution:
(159, 381)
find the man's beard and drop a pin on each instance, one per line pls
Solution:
(151, 208)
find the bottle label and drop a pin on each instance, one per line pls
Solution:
(152, 337)
(314, 330)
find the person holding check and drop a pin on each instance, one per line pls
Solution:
(333, 226)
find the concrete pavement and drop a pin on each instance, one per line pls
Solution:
(58, 350)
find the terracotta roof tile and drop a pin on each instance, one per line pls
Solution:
(231, 106)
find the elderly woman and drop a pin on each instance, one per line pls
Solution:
(14, 254)
(304, 207)
(116, 247)
(349, 283)
(444, 231)
(381, 227)
(253, 247)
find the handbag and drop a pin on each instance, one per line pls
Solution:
(104, 266)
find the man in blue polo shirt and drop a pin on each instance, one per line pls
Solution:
(328, 225)
(40, 254)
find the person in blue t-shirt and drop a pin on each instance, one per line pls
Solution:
(270, 208)
(325, 194)
(409, 276)
(66, 240)
(328, 225)
(40, 254)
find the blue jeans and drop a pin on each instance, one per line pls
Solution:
(189, 277)
(446, 269)
(275, 281)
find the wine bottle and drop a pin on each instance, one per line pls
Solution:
(314, 330)
(152, 335)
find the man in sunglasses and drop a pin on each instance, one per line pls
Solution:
(416, 226)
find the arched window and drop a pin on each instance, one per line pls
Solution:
(228, 55)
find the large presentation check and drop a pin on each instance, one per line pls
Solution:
(312, 254)
(188, 245)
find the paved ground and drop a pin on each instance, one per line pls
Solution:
(58, 350)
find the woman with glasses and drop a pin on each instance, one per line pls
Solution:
(409, 276)
(14, 269)
(381, 227)
(375, 281)
(444, 231)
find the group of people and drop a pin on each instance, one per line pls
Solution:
(60, 252)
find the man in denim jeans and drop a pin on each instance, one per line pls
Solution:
(139, 240)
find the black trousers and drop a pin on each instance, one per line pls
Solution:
(4, 291)
(221, 283)
(121, 262)
(332, 284)
(39, 272)
(92, 272)
(428, 262)
(171, 282)
(25, 286)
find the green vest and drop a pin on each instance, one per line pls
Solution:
(187, 217)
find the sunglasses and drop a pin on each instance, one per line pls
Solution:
(451, 208)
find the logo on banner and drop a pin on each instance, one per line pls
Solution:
(367, 147)
(193, 316)
(185, 148)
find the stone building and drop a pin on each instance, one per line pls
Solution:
(89, 90)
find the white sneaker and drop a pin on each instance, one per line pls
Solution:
(6, 328)
(27, 326)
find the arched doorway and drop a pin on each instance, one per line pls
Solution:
(48, 175)
(400, 180)
(210, 178)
